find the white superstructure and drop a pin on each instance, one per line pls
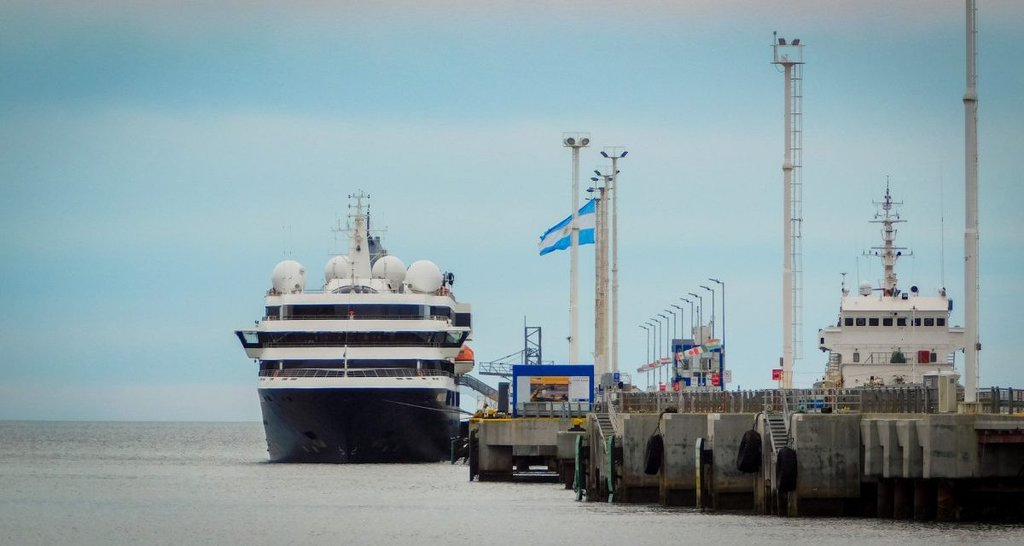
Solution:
(886, 336)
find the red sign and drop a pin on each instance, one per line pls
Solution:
(777, 374)
(716, 380)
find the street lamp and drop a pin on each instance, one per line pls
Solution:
(574, 141)
(671, 332)
(681, 319)
(664, 316)
(700, 315)
(722, 284)
(654, 330)
(615, 154)
(712, 290)
(647, 335)
(691, 313)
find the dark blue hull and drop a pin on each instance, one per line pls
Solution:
(359, 425)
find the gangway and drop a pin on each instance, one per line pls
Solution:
(478, 386)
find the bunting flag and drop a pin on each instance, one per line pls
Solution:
(695, 351)
(711, 345)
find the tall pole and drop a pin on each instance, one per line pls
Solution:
(971, 235)
(712, 290)
(651, 361)
(600, 331)
(789, 56)
(615, 154)
(647, 337)
(671, 332)
(722, 284)
(574, 141)
(700, 317)
(691, 314)
(682, 317)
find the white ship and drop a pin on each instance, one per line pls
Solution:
(364, 369)
(886, 336)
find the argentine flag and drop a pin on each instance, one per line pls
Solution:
(558, 237)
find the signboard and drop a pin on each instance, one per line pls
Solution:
(777, 374)
(728, 376)
(716, 380)
(551, 384)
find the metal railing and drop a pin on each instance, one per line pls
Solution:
(784, 402)
(353, 372)
(555, 409)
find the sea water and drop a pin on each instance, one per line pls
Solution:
(209, 483)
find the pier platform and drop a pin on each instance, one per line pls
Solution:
(889, 453)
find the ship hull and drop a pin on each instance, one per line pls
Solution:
(353, 425)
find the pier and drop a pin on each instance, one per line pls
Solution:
(889, 453)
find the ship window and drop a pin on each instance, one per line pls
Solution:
(901, 321)
(940, 322)
(848, 321)
(273, 311)
(929, 322)
(917, 322)
(887, 321)
(873, 321)
(861, 321)
(856, 357)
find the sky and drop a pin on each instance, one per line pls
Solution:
(158, 159)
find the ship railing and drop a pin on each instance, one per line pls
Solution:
(563, 410)
(887, 358)
(358, 316)
(354, 372)
(350, 345)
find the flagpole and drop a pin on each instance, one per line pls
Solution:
(575, 141)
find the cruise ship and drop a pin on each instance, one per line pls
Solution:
(365, 369)
(886, 336)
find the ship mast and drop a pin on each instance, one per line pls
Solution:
(889, 252)
(359, 248)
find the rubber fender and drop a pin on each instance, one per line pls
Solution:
(785, 469)
(653, 454)
(748, 458)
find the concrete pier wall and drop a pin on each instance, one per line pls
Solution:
(634, 484)
(678, 479)
(730, 489)
(828, 464)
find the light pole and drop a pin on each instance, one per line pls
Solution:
(722, 284)
(574, 141)
(712, 290)
(647, 335)
(700, 316)
(615, 154)
(671, 332)
(663, 345)
(650, 365)
(691, 314)
(601, 360)
(681, 319)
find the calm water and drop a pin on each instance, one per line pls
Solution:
(202, 483)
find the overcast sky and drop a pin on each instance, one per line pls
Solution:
(158, 158)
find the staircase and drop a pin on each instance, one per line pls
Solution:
(604, 424)
(478, 386)
(777, 432)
